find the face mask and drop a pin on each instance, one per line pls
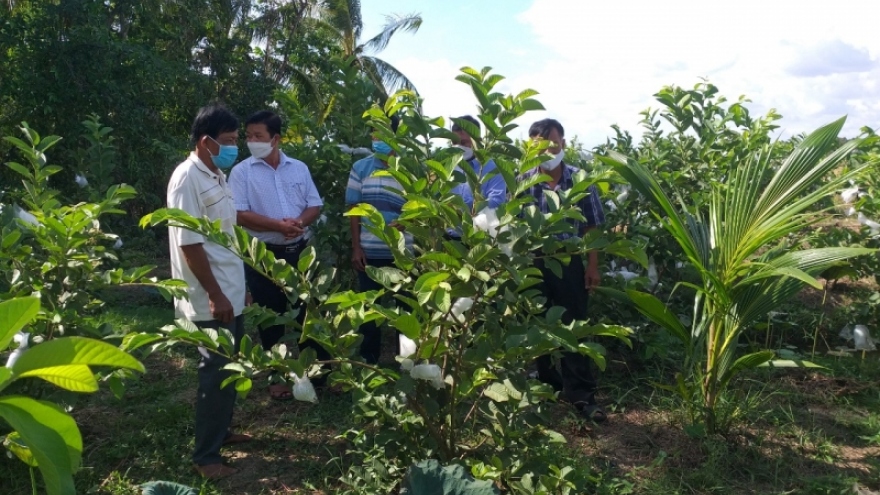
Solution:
(381, 148)
(226, 157)
(468, 153)
(259, 149)
(554, 162)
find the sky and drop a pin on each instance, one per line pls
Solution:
(598, 63)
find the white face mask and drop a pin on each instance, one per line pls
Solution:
(554, 162)
(468, 153)
(259, 149)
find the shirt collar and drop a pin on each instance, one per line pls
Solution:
(564, 178)
(201, 165)
(282, 159)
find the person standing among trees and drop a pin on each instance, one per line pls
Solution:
(573, 374)
(492, 185)
(276, 200)
(215, 276)
(367, 249)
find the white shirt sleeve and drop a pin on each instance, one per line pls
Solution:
(183, 195)
(238, 183)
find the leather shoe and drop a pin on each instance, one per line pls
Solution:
(215, 471)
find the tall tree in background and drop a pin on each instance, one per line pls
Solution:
(343, 17)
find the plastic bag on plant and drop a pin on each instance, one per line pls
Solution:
(850, 195)
(407, 346)
(303, 389)
(862, 339)
(22, 339)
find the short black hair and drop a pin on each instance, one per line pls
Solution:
(393, 123)
(213, 120)
(543, 127)
(457, 128)
(270, 119)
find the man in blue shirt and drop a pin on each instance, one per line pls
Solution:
(573, 376)
(492, 188)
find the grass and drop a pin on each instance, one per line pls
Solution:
(799, 431)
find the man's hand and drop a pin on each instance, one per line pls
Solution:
(248, 298)
(591, 276)
(290, 227)
(397, 226)
(358, 259)
(221, 308)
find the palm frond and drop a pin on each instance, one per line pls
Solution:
(393, 24)
(385, 75)
(345, 18)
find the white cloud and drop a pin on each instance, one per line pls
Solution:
(435, 79)
(598, 63)
(604, 60)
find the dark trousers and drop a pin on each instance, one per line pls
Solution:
(214, 404)
(573, 374)
(371, 346)
(265, 293)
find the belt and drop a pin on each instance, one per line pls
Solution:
(287, 248)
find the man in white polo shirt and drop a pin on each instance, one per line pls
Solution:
(276, 201)
(215, 276)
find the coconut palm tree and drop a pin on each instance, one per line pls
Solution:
(343, 19)
(738, 246)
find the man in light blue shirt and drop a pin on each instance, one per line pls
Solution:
(492, 187)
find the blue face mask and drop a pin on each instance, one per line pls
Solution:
(381, 148)
(226, 157)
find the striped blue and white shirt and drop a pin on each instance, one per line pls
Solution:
(283, 192)
(364, 187)
(590, 205)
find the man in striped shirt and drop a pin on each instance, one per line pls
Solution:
(367, 249)
(572, 375)
(276, 201)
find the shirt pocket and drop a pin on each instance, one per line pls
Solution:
(217, 203)
(295, 190)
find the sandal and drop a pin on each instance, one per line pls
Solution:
(280, 392)
(593, 412)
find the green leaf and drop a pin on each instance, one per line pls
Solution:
(52, 436)
(427, 281)
(14, 315)
(497, 392)
(74, 350)
(167, 488)
(73, 377)
(553, 436)
(790, 363)
(657, 312)
(430, 478)
(13, 443)
(408, 325)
